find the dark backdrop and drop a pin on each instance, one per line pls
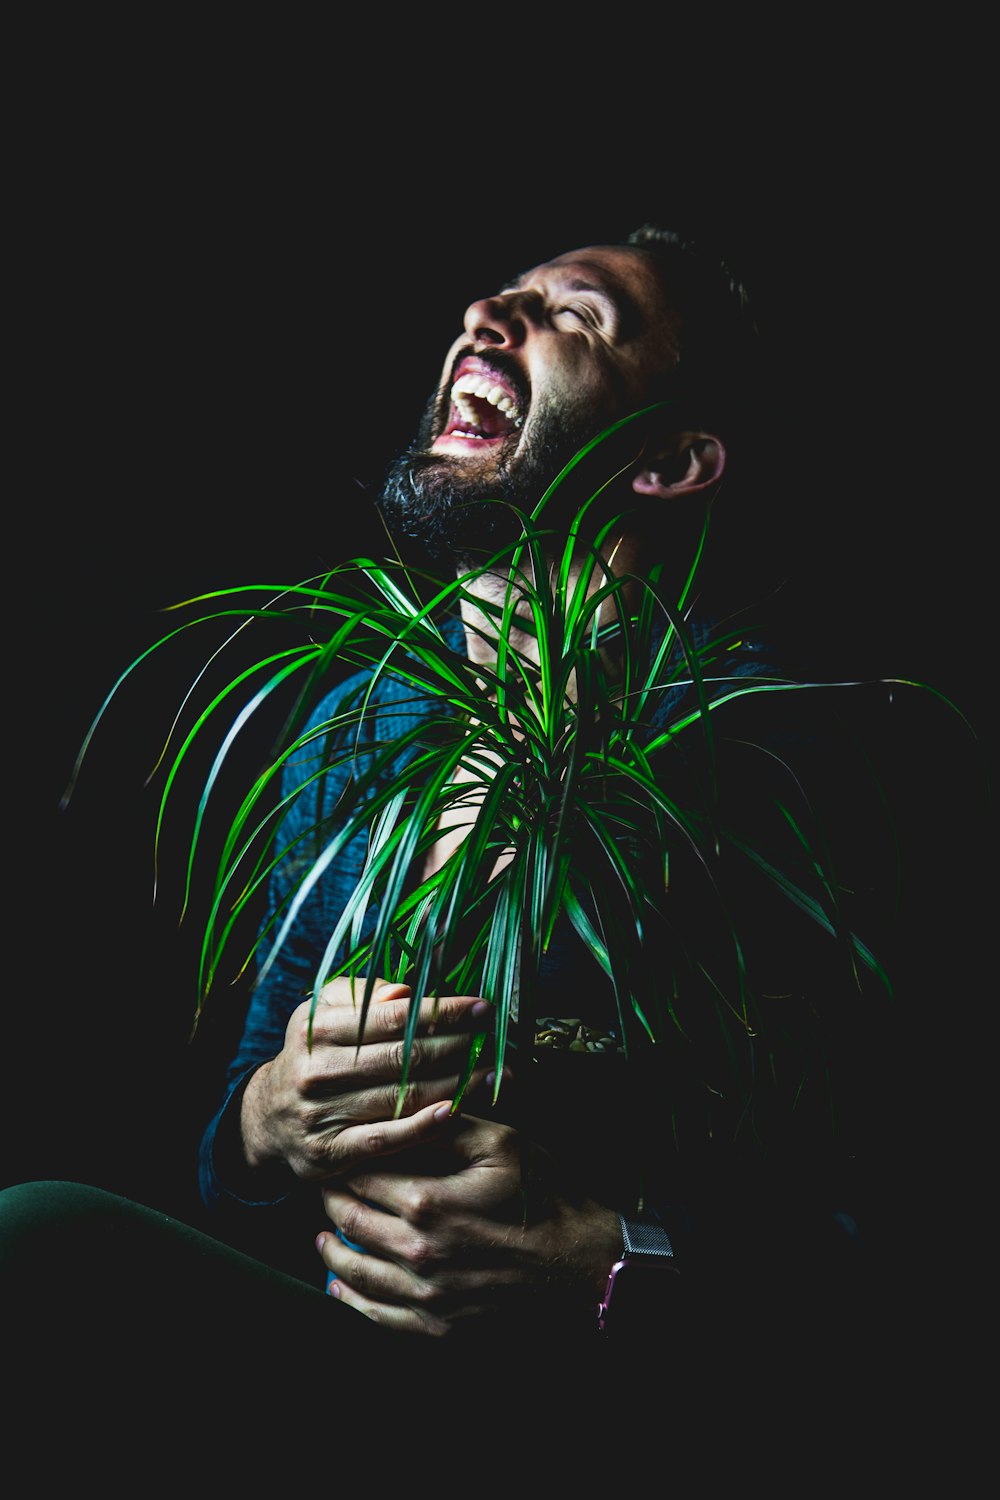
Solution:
(236, 289)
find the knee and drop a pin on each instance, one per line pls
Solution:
(35, 1217)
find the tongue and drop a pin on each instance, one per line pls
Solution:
(491, 421)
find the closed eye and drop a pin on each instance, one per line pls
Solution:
(579, 312)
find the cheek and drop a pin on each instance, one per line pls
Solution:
(606, 381)
(580, 385)
(434, 413)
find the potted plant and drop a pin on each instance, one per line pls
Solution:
(553, 767)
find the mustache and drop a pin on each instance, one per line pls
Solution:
(504, 364)
(439, 403)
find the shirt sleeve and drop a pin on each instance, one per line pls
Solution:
(308, 801)
(333, 755)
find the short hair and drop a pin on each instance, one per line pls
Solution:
(718, 376)
(726, 381)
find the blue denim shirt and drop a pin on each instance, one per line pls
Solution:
(587, 1110)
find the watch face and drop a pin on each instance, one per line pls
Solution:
(638, 1289)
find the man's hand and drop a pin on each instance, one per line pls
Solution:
(327, 1108)
(476, 1225)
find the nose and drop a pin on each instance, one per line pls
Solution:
(501, 321)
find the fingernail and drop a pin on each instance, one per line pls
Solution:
(480, 1010)
(320, 1242)
(442, 1112)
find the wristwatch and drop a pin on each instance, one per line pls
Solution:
(644, 1275)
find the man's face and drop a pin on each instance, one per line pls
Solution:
(540, 368)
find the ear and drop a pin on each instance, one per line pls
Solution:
(687, 464)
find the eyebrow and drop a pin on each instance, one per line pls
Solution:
(574, 284)
(611, 292)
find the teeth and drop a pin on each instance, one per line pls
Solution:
(464, 408)
(481, 387)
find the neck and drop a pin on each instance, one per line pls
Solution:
(488, 598)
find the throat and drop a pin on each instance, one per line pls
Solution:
(455, 824)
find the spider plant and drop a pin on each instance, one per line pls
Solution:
(553, 763)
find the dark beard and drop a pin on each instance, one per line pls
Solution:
(463, 519)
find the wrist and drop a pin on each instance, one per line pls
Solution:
(642, 1283)
(257, 1149)
(259, 1171)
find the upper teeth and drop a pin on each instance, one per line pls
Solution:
(483, 387)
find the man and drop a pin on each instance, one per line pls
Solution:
(422, 1226)
(418, 1226)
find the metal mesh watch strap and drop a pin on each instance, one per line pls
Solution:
(638, 1282)
(645, 1239)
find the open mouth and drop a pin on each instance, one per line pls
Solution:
(485, 407)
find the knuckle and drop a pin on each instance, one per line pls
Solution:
(401, 1056)
(389, 1100)
(389, 1017)
(359, 1275)
(372, 1141)
(422, 1261)
(349, 1222)
(421, 1205)
(298, 1027)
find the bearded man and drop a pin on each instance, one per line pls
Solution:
(653, 1221)
(429, 1238)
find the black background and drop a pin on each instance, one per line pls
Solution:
(240, 262)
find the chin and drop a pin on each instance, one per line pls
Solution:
(451, 506)
(460, 505)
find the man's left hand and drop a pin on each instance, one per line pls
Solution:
(479, 1226)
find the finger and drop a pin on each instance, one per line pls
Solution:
(346, 991)
(352, 1214)
(431, 1080)
(372, 1283)
(332, 1052)
(392, 1315)
(355, 1144)
(340, 1017)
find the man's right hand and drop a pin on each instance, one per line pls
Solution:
(328, 1107)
